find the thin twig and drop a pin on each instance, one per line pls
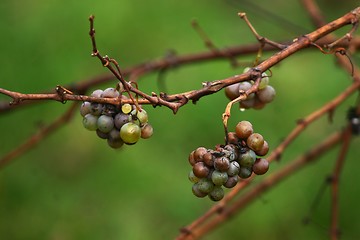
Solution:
(334, 226)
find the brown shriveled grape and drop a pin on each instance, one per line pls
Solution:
(200, 170)
(255, 141)
(199, 153)
(264, 150)
(244, 129)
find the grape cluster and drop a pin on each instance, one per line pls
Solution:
(227, 164)
(117, 124)
(258, 100)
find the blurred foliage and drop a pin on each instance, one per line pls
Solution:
(72, 186)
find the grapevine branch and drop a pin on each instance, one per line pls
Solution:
(175, 101)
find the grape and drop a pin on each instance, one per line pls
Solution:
(205, 185)
(264, 150)
(101, 134)
(247, 159)
(105, 123)
(232, 91)
(217, 193)
(200, 170)
(267, 94)
(141, 115)
(199, 153)
(130, 133)
(261, 166)
(114, 139)
(126, 108)
(197, 192)
(90, 122)
(110, 93)
(232, 138)
(85, 108)
(232, 181)
(264, 80)
(193, 178)
(255, 141)
(191, 158)
(246, 69)
(120, 119)
(243, 87)
(109, 110)
(258, 104)
(96, 109)
(233, 169)
(248, 103)
(244, 129)
(219, 178)
(245, 172)
(147, 131)
(231, 152)
(222, 164)
(97, 93)
(208, 159)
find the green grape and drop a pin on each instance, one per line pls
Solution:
(245, 172)
(130, 133)
(97, 93)
(110, 93)
(201, 170)
(142, 116)
(233, 169)
(197, 192)
(232, 91)
(244, 129)
(90, 122)
(247, 159)
(105, 123)
(231, 182)
(255, 141)
(96, 109)
(147, 131)
(85, 108)
(231, 152)
(267, 94)
(261, 166)
(217, 193)
(126, 108)
(192, 177)
(205, 185)
(246, 69)
(222, 164)
(120, 119)
(219, 178)
(264, 150)
(264, 81)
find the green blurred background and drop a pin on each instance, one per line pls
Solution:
(72, 186)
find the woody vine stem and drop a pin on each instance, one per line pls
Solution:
(321, 39)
